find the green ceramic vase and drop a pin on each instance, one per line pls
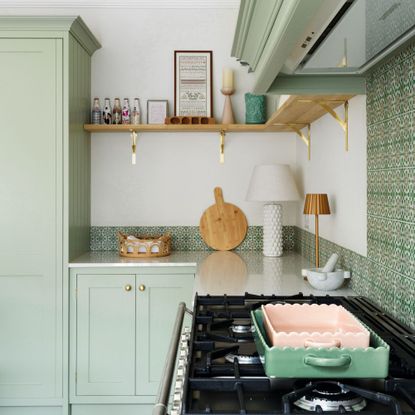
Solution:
(255, 109)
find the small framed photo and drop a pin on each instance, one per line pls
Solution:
(157, 111)
(193, 83)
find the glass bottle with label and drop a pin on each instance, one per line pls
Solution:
(136, 113)
(117, 112)
(126, 113)
(96, 112)
(107, 112)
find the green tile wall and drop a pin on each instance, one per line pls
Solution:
(391, 184)
(184, 238)
(387, 275)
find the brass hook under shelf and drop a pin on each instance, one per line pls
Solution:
(222, 147)
(133, 146)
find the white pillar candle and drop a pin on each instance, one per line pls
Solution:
(227, 79)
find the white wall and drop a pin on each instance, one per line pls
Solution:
(342, 175)
(173, 180)
(175, 174)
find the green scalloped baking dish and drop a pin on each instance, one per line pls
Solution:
(310, 362)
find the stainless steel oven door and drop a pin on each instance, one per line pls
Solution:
(178, 349)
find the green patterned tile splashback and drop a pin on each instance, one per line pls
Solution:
(184, 238)
(387, 275)
(391, 184)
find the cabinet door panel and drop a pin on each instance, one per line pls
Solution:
(156, 312)
(31, 218)
(105, 335)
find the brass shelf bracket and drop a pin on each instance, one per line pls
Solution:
(306, 138)
(344, 123)
(133, 135)
(222, 146)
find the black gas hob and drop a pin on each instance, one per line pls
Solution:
(225, 376)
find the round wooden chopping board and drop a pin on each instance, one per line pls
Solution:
(223, 226)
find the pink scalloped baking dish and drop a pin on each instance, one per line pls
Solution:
(313, 325)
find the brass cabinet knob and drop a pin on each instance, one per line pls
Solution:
(142, 287)
(128, 287)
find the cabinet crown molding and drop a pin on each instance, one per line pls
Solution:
(40, 24)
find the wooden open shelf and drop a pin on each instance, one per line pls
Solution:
(297, 110)
(302, 110)
(202, 128)
(295, 115)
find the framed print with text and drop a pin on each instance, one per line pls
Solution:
(193, 83)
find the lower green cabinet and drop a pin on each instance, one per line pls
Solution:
(121, 325)
(105, 335)
(156, 311)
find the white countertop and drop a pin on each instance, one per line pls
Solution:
(226, 272)
(94, 259)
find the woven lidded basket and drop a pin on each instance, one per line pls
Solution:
(131, 246)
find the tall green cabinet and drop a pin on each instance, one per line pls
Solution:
(44, 202)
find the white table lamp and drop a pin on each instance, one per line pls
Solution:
(272, 184)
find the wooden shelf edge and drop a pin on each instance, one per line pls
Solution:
(103, 128)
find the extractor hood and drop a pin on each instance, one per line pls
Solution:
(319, 37)
(364, 33)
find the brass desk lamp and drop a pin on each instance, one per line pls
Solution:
(316, 204)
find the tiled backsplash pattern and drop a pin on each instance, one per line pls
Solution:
(391, 290)
(387, 275)
(184, 238)
(391, 184)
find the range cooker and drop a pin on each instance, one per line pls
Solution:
(219, 370)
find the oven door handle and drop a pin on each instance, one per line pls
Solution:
(162, 400)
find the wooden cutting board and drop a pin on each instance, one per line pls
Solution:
(223, 226)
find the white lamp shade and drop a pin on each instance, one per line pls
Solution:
(272, 183)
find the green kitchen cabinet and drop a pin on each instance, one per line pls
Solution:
(157, 303)
(45, 99)
(120, 328)
(31, 210)
(105, 335)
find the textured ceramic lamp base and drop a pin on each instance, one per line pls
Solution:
(272, 230)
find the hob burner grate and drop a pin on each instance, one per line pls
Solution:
(330, 396)
(243, 359)
(241, 328)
